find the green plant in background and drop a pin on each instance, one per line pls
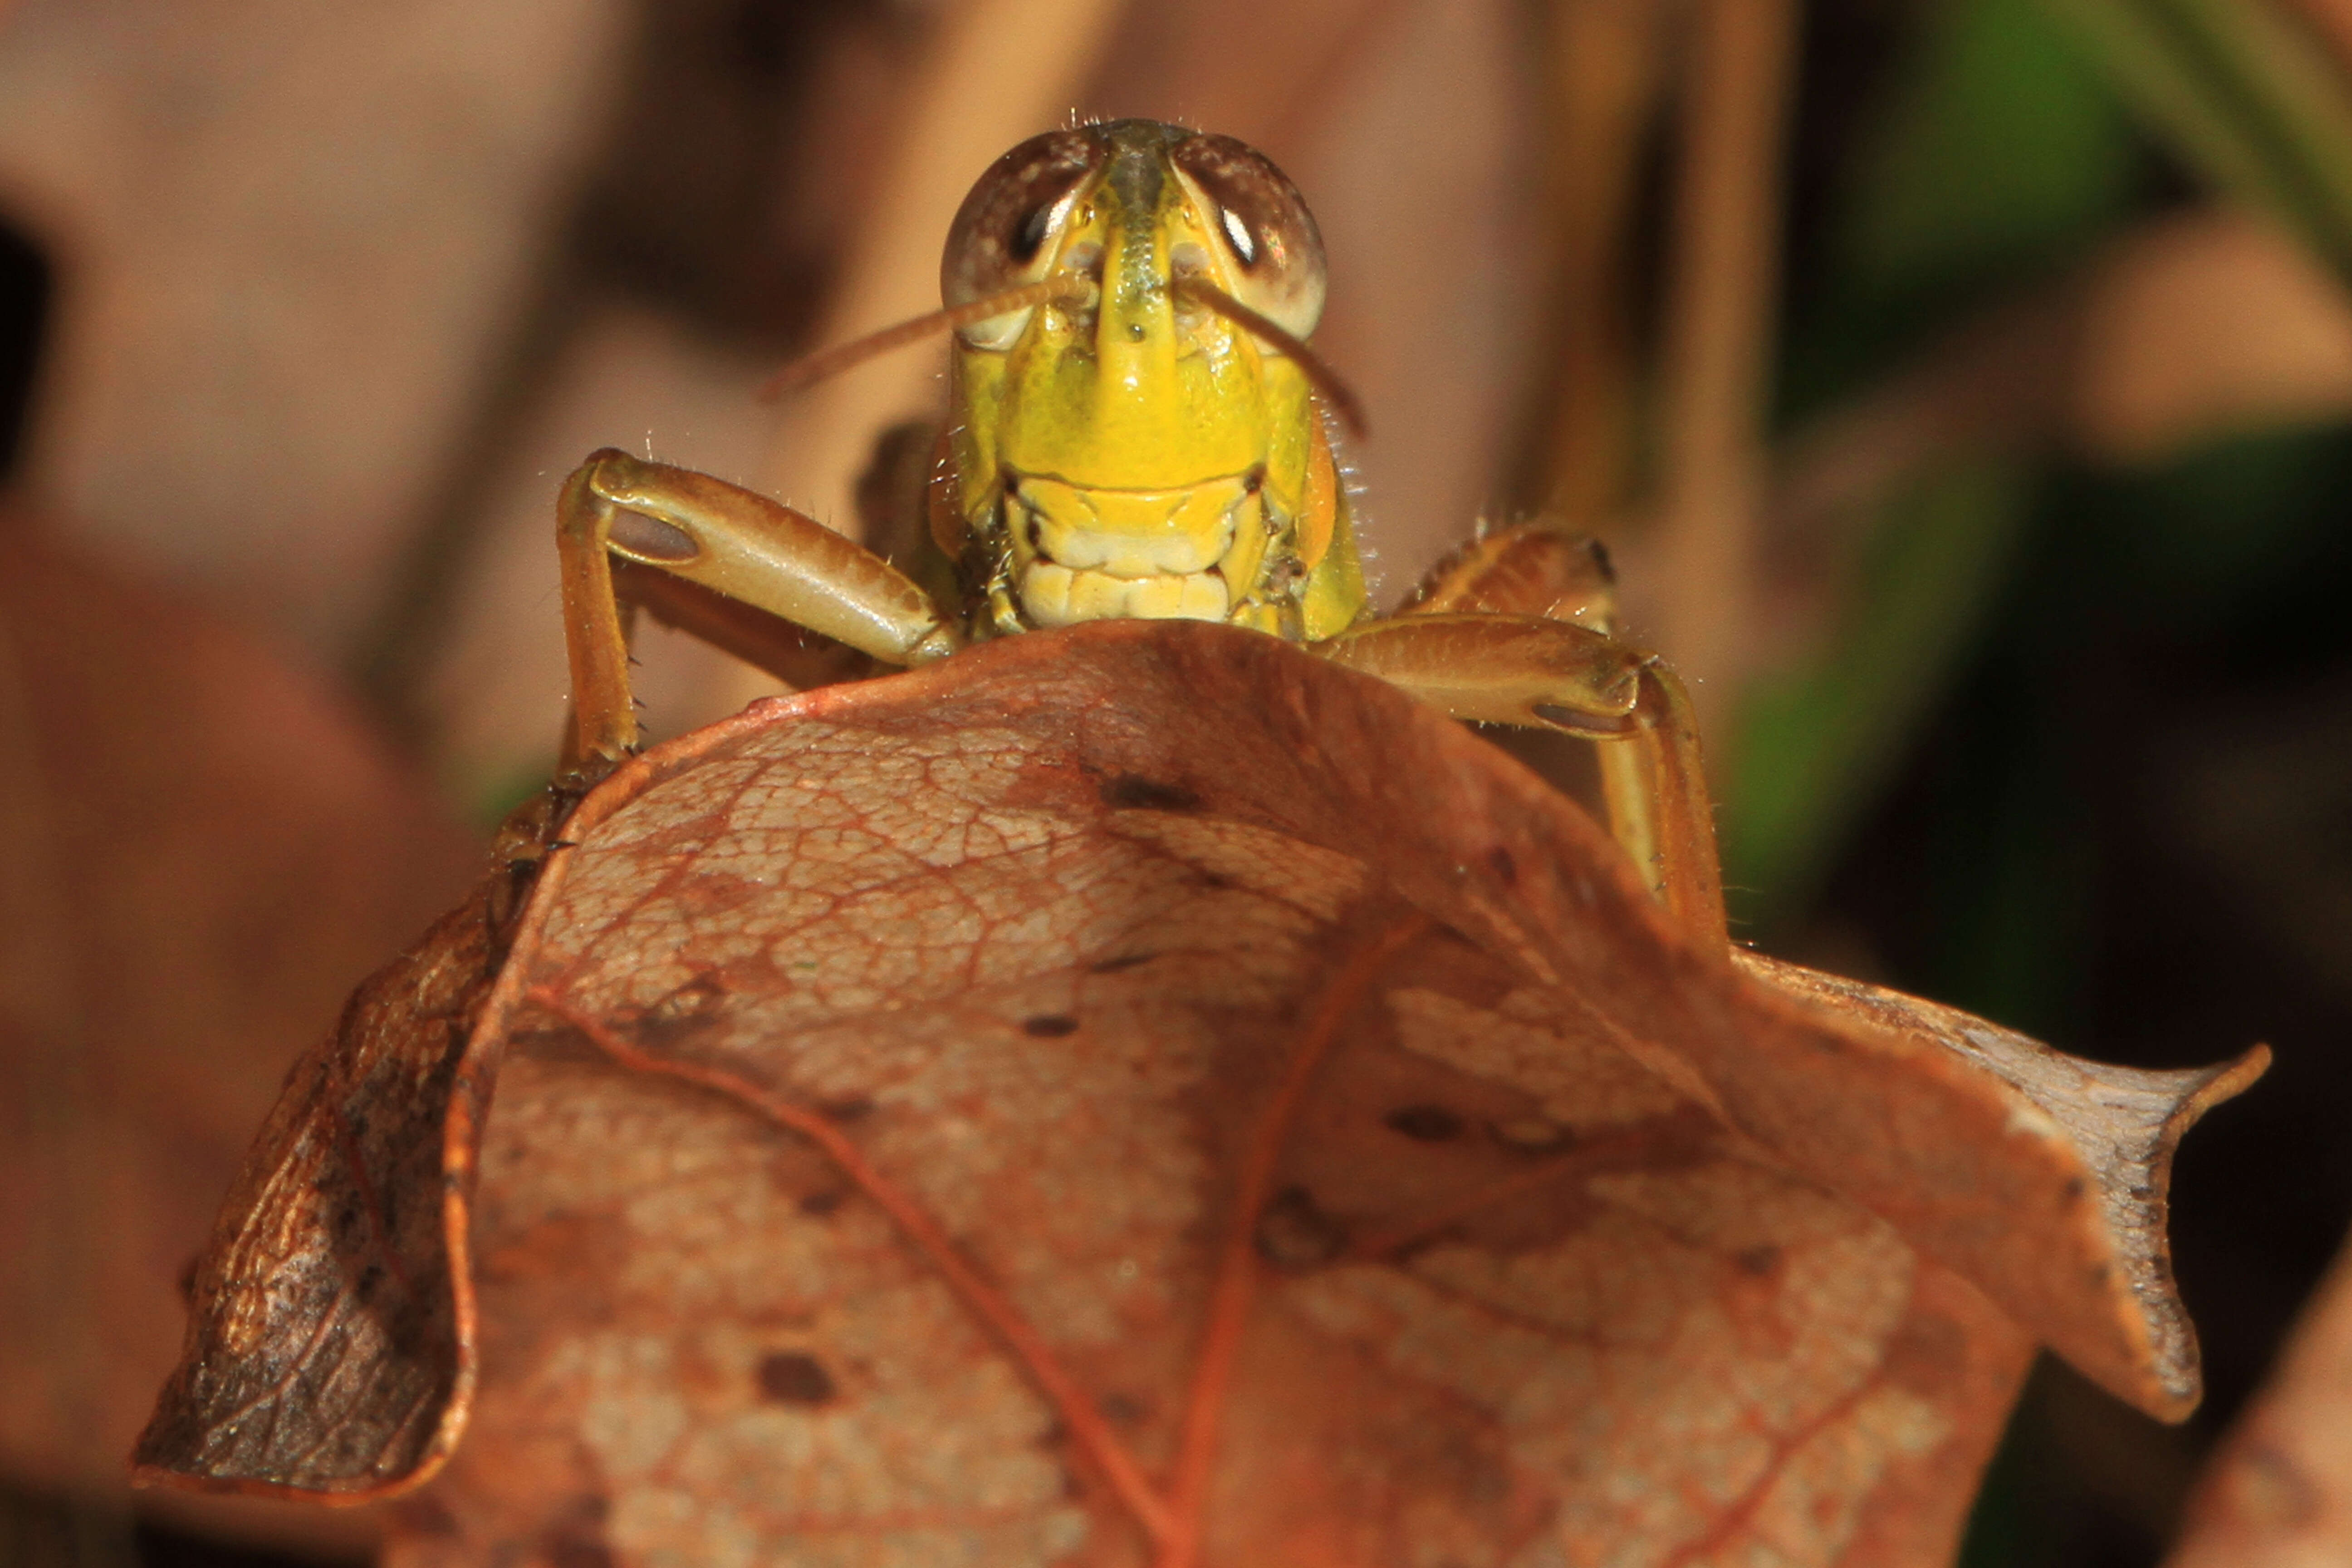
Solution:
(2243, 95)
(1999, 155)
(1816, 744)
(2000, 159)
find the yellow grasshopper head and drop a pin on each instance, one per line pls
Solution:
(1141, 444)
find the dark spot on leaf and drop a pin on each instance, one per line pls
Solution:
(1125, 961)
(1758, 1260)
(1441, 936)
(1428, 1123)
(1505, 869)
(186, 1280)
(821, 1203)
(1123, 1409)
(787, 1377)
(567, 1550)
(1049, 1025)
(578, 1540)
(847, 1109)
(2075, 1188)
(1132, 792)
(1294, 1234)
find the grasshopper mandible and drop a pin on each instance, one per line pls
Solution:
(1138, 428)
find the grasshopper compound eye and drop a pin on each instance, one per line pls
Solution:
(1008, 230)
(1273, 252)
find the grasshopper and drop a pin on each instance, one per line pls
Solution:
(1139, 429)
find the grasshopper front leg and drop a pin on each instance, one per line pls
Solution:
(1554, 665)
(732, 541)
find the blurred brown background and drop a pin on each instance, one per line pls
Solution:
(1965, 387)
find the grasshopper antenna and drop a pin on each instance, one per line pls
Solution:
(825, 363)
(1321, 376)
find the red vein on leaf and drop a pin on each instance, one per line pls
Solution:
(1235, 1285)
(1741, 1512)
(1087, 1430)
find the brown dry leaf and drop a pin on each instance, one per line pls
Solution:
(2205, 324)
(294, 239)
(1139, 1095)
(202, 847)
(331, 1347)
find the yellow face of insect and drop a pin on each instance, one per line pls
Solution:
(1132, 452)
